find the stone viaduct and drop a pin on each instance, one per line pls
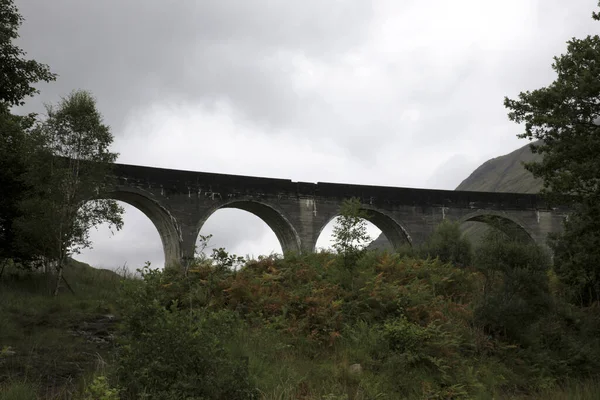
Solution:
(179, 202)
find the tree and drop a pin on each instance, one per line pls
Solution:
(565, 119)
(350, 231)
(516, 291)
(17, 76)
(577, 255)
(448, 243)
(16, 73)
(71, 168)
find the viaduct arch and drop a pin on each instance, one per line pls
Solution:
(179, 202)
(274, 218)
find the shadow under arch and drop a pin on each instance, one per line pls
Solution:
(392, 229)
(164, 222)
(504, 223)
(275, 219)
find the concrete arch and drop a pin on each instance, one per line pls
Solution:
(508, 224)
(276, 220)
(393, 230)
(165, 223)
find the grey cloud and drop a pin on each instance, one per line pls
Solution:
(135, 244)
(133, 53)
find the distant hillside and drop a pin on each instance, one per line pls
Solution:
(504, 174)
(501, 174)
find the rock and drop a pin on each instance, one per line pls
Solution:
(355, 369)
(7, 351)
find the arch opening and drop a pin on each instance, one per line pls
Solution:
(384, 231)
(260, 229)
(127, 249)
(162, 220)
(474, 227)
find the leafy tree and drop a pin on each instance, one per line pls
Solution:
(516, 290)
(17, 76)
(565, 119)
(70, 169)
(350, 231)
(577, 255)
(447, 243)
(16, 73)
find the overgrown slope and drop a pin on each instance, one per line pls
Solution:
(52, 343)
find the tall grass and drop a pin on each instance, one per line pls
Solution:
(47, 351)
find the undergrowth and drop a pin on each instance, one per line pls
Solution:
(307, 327)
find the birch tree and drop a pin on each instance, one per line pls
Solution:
(69, 172)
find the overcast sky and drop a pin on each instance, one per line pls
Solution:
(393, 92)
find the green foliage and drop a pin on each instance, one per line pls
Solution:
(49, 342)
(13, 165)
(577, 255)
(350, 231)
(18, 74)
(289, 328)
(565, 118)
(171, 353)
(68, 171)
(99, 389)
(448, 243)
(18, 391)
(516, 292)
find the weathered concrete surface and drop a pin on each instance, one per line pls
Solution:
(179, 202)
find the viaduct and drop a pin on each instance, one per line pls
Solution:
(179, 202)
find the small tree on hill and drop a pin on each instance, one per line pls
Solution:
(70, 169)
(350, 231)
(565, 118)
(448, 243)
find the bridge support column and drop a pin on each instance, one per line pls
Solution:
(187, 243)
(309, 217)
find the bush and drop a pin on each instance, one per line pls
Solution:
(448, 244)
(577, 255)
(176, 353)
(100, 389)
(516, 291)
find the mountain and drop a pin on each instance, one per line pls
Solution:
(501, 174)
(504, 174)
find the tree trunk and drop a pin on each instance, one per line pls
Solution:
(4, 262)
(68, 286)
(59, 268)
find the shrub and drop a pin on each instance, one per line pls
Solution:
(448, 244)
(516, 291)
(100, 389)
(175, 353)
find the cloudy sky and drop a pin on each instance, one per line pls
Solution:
(392, 92)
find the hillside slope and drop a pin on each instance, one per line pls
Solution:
(504, 174)
(501, 174)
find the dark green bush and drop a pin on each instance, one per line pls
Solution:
(176, 353)
(516, 292)
(448, 244)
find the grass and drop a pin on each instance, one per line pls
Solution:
(573, 390)
(305, 323)
(51, 343)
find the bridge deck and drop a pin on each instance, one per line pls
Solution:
(180, 181)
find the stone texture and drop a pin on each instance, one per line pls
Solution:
(179, 202)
